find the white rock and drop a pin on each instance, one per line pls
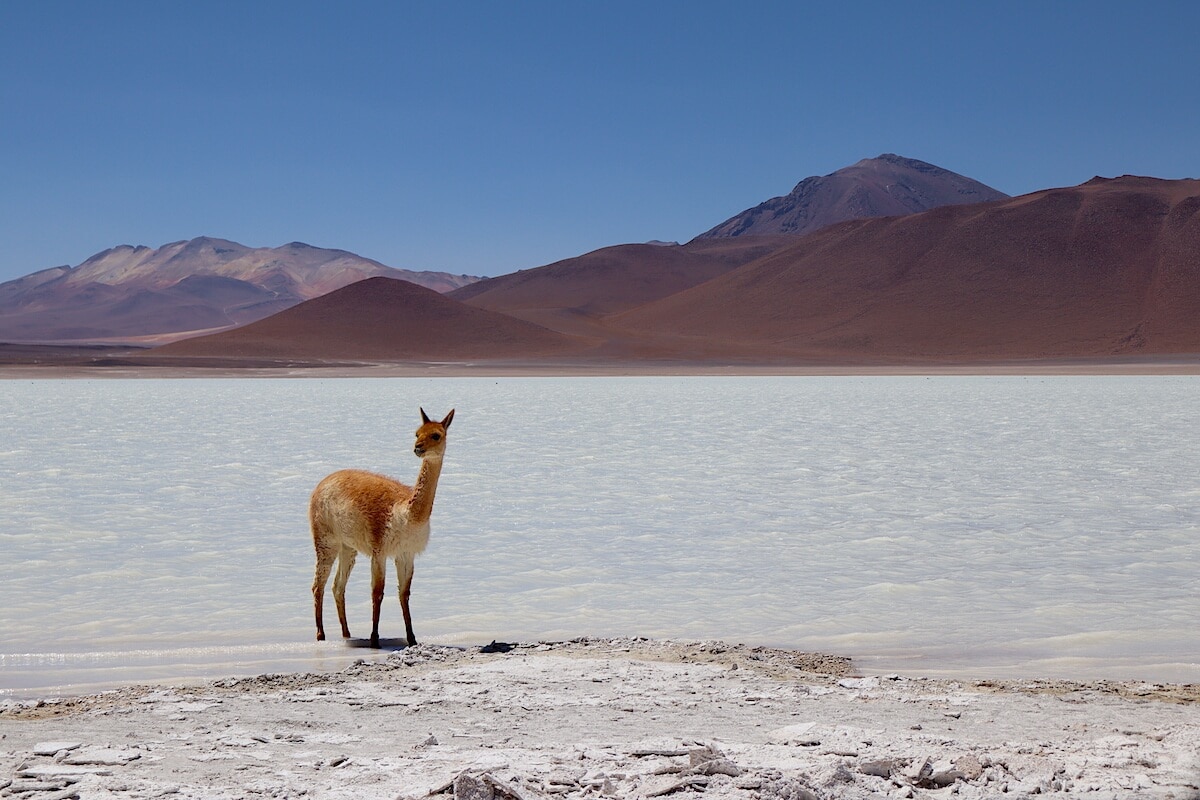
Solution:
(970, 766)
(782, 788)
(836, 774)
(61, 771)
(800, 733)
(881, 768)
(469, 787)
(62, 794)
(101, 756)
(52, 748)
(942, 773)
(238, 741)
(919, 771)
(717, 766)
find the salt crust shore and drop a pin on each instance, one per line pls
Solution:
(606, 718)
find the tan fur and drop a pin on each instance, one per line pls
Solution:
(352, 511)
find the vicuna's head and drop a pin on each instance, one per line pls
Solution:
(431, 436)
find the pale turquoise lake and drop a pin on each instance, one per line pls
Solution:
(975, 526)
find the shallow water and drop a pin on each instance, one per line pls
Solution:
(992, 526)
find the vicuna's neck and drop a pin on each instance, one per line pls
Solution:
(420, 505)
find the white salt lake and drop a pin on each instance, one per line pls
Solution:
(970, 526)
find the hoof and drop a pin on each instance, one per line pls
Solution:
(320, 637)
(375, 640)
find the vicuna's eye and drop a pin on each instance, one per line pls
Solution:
(437, 437)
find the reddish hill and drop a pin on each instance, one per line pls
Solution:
(887, 186)
(570, 294)
(380, 319)
(1111, 267)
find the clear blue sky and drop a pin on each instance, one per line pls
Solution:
(493, 136)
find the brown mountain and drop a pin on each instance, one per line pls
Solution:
(380, 319)
(887, 186)
(181, 288)
(570, 295)
(1111, 267)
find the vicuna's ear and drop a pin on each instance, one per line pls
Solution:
(424, 417)
(449, 417)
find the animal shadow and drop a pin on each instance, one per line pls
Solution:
(384, 644)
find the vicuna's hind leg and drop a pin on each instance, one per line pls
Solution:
(345, 564)
(325, 558)
(404, 575)
(377, 570)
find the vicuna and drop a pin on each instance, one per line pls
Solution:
(352, 511)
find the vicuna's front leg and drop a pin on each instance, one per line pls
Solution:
(404, 575)
(324, 564)
(345, 564)
(377, 570)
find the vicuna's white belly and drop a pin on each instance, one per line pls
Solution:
(389, 538)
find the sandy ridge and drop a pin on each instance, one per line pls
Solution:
(606, 718)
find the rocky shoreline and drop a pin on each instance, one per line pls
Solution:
(606, 718)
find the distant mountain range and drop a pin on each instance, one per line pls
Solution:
(1110, 268)
(887, 186)
(182, 288)
(1107, 269)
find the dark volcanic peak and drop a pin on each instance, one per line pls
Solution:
(1109, 268)
(887, 186)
